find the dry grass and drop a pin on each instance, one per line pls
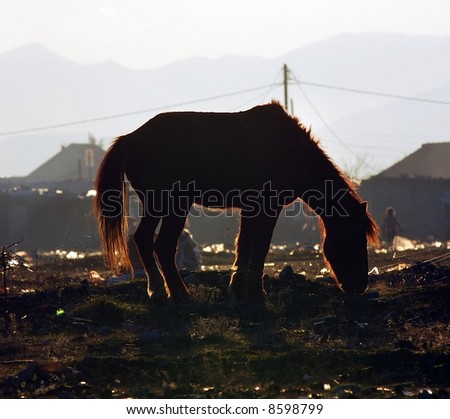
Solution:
(392, 342)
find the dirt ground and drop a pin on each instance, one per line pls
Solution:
(73, 333)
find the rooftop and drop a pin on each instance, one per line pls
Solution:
(74, 162)
(432, 160)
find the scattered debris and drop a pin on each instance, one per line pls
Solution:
(311, 340)
(95, 277)
(44, 379)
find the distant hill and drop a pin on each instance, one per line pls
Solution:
(39, 88)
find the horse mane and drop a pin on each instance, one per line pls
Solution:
(372, 230)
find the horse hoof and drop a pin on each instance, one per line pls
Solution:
(236, 294)
(159, 301)
(181, 297)
(246, 298)
(257, 298)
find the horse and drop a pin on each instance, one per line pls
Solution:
(258, 161)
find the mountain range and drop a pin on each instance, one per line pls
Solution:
(39, 88)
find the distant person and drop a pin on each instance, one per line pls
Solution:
(391, 227)
(188, 252)
(188, 256)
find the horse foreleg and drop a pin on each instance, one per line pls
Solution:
(144, 237)
(165, 249)
(260, 244)
(240, 266)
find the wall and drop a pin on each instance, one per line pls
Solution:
(66, 222)
(48, 222)
(420, 204)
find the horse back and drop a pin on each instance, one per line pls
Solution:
(234, 150)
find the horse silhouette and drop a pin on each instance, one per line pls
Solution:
(259, 161)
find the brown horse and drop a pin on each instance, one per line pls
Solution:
(259, 161)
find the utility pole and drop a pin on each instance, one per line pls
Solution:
(285, 83)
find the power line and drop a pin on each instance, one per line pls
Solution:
(373, 93)
(262, 95)
(125, 114)
(325, 123)
(274, 84)
(239, 92)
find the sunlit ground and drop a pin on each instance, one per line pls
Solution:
(72, 332)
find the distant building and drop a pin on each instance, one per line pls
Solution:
(72, 170)
(49, 207)
(418, 187)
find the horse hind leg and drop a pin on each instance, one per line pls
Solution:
(165, 249)
(144, 238)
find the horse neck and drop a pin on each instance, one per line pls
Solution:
(327, 192)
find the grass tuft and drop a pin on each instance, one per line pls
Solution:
(103, 309)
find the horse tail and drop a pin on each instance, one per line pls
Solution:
(110, 206)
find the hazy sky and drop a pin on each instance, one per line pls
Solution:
(150, 33)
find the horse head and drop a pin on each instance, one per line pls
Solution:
(345, 249)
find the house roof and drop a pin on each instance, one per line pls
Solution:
(432, 160)
(74, 162)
